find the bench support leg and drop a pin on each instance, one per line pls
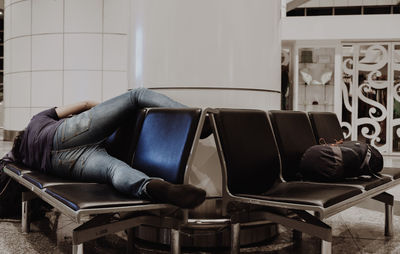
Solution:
(326, 247)
(130, 246)
(175, 241)
(25, 223)
(388, 220)
(297, 235)
(77, 248)
(235, 237)
(388, 200)
(26, 197)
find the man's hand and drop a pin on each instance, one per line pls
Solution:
(76, 108)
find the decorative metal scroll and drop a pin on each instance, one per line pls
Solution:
(371, 94)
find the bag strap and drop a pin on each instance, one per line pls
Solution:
(366, 159)
(366, 163)
(322, 141)
(5, 187)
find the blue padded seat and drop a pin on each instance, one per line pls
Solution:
(253, 163)
(18, 168)
(165, 142)
(91, 195)
(122, 143)
(42, 180)
(162, 150)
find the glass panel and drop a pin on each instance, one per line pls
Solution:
(396, 97)
(316, 79)
(347, 89)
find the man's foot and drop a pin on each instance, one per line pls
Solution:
(182, 195)
(207, 129)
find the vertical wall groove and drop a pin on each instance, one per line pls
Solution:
(72, 56)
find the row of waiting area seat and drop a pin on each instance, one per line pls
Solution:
(257, 150)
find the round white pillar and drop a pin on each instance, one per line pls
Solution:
(208, 53)
(59, 52)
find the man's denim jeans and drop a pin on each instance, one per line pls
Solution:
(77, 147)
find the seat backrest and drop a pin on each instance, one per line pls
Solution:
(294, 135)
(249, 150)
(326, 126)
(165, 142)
(122, 143)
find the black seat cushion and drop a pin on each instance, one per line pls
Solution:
(249, 149)
(306, 193)
(91, 195)
(392, 172)
(18, 168)
(42, 180)
(326, 126)
(294, 136)
(367, 182)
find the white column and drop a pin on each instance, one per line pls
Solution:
(218, 53)
(62, 51)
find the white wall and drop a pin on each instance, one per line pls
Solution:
(61, 51)
(352, 27)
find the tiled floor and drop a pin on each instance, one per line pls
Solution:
(355, 230)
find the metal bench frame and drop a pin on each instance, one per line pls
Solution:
(98, 222)
(304, 221)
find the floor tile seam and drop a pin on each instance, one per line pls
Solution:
(378, 239)
(63, 227)
(352, 236)
(367, 238)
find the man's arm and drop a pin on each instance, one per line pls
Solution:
(76, 108)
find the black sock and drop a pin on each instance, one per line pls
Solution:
(182, 195)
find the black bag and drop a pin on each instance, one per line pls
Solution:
(335, 162)
(10, 197)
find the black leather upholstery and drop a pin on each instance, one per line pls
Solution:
(249, 149)
(86, 195)
(122, 143)
(326, 126)
(305, 193)
(252, 162)
(42, 180)
(366, 183)
(18, 168)
(165, 141)
(393, 172)
(294, 136)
